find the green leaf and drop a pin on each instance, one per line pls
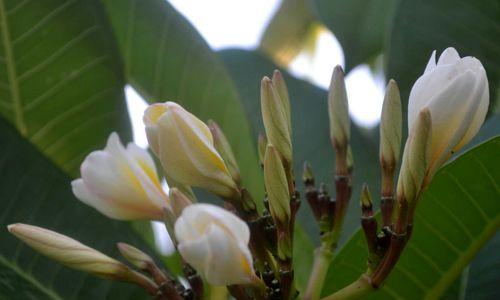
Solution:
(361, 26)
(61, 83)
(34, 191)
(483, 275)
(456, 216)
(292, 29)
(423, 26)
(167, 60)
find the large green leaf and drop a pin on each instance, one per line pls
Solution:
(420, 27)
(293, 28)
(61, 83)
(34, 191)
(361, 26)
(456, 216)
(166, 59)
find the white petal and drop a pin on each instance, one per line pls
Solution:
(229, 263)
(449, 112)
(110, 177)
(188, 156)
(432, 62)
(449, 56)
(197, 254)
(106, 207)
(482, 96)
(232, 223)
(426, 87)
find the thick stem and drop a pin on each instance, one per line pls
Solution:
(322, 258)
(355, 290)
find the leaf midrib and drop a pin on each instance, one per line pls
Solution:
(463, 260)
(11, 72)
(28, 277)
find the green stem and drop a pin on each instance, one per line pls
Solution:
(322, 258)
(355, 290)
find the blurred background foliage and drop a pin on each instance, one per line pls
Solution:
(64, 65)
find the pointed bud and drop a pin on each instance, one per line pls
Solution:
(224, 148)
(390, 136)
(366, 201)
(135, 256)
(276, 186)
(179, 201)
(307, 174)
(350, 160)
(338, 109)
(275, 120)
(185, 189)
(415, 158)
(70, 252)
(262, 145)
(281, 88)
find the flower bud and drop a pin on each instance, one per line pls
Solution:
(390, 136)
(215, 242)
(186, 149)
(135, 256)
(349, 160)
(276, 186)
(275, 119)
(262, 145)
(338, 109)
(390, 126)
(282, 90)
(415, 158)
(69, 252)
(179, 201)
(366, 201)
(455, 90)
(121, 183)
(224, 148)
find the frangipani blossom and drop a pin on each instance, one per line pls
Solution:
(215, 242)
(122, 183)
(185, 147)
(455, 90)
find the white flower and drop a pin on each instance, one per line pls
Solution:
(185, 147)
(215, 242)
(455, 90)
(121, 183)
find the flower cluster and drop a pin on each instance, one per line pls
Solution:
(250, 250)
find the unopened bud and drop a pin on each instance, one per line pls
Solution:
(135, 256)
(262, 145)
(276, 186)
(222, 146)
(185, 189)
(390, 136)
(307, 174)
(69, 252)
(366, 201)
(281, 88)
(338, 109)
(415, 158)
(179, 201)
(275, 119)
(350, 160)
